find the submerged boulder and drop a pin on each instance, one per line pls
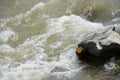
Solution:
(100, 47)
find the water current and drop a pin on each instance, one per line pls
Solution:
(38, 38)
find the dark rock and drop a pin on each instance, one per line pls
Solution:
(103, 46)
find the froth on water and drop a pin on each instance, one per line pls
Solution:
(38, 37)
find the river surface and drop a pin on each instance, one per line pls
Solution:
(38, 38)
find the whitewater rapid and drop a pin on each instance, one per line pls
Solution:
(33, 43)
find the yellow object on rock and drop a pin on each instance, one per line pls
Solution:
(79, 50)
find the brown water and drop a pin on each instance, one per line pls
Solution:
(37, 36)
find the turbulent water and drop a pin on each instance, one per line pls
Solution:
(38, 38)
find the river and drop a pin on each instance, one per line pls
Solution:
(39, 36)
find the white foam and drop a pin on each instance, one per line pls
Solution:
(56, 44)
(8, 34)
(39, 5)
(74, 26)
(109, 66)
(66, 27)
(37, 56)
(6, 49)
